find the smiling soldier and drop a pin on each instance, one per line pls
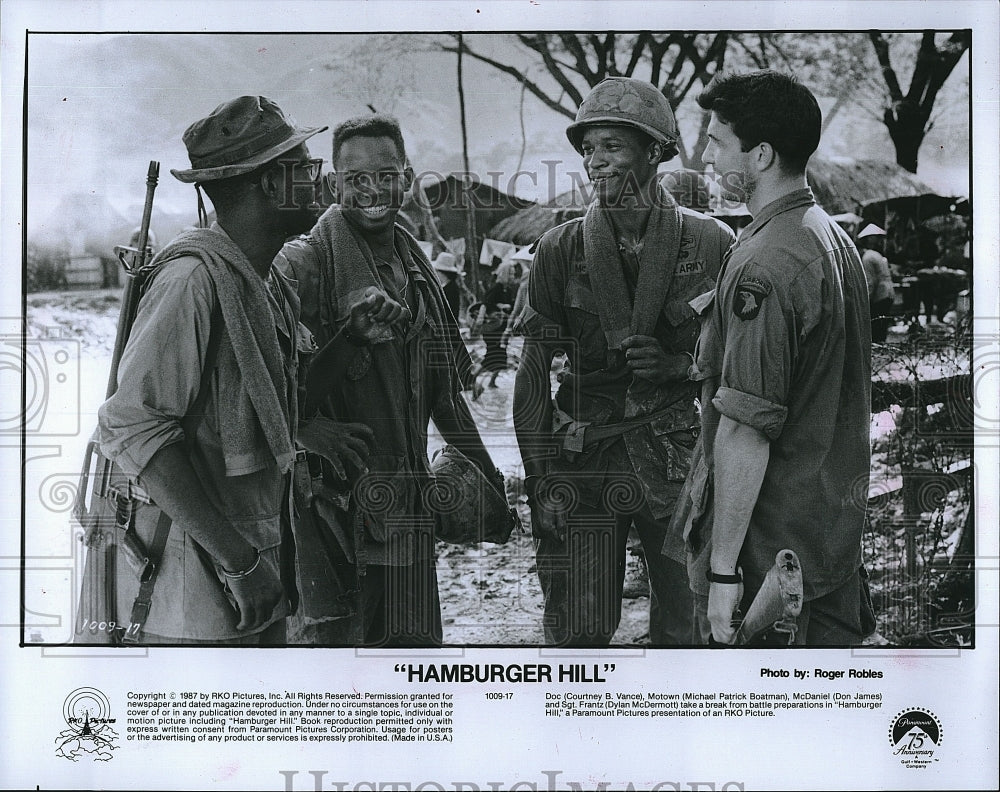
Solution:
(398, 378)
(611, 290)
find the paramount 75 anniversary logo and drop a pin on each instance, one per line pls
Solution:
(915, 736)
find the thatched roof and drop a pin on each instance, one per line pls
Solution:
(847, 185)
(688, 187)
(527, 225)
(450, 197)
(840, 185)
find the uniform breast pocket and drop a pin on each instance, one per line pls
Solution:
(684, 325)
(674, 439)
(585, 325)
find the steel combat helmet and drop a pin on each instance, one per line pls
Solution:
(630, 102)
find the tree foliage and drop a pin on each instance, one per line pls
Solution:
(856, 70)
(46, 268)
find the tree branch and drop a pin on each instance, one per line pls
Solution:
(637, 48)
(535, 89)
(927, 56)
(757, 60)
(610, 57)
(882, 53)
(540, 45)
(575, 48)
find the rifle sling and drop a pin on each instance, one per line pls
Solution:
(144, 599)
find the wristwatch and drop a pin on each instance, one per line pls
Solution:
(714, 577)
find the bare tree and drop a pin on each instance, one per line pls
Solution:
(908, 116)
(559, 68)
(574, 62)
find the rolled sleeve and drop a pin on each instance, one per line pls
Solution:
(160, 370)
(759, 352)
(764, 416)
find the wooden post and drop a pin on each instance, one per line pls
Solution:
(471, 249)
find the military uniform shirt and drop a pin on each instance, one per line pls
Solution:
(561, 303)
(790, 341)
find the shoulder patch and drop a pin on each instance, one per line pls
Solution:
(749, 296)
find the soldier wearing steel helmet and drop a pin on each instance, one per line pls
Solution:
(615, 291)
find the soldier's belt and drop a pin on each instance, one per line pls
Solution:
(578, 436)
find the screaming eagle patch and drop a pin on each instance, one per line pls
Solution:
(750, 294)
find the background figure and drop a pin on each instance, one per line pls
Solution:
(938, 287)
(523, 257)
(448, 275)
(495, 310)
(880, 289)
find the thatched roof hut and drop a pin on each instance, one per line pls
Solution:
(848, 185)
(450, 198)
(885, 194)
(688, 187)
(840, 185)
(527, 225)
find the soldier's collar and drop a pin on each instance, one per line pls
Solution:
(787, 202)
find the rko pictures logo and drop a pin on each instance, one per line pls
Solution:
(915, 736)
(90, 734)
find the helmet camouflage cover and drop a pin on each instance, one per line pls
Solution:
(630, 102)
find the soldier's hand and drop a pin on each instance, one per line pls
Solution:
(548, 523)
(548, 512)
(256, 595)
(373, 316)
(646, 359)
(346, 446)
(723, 600)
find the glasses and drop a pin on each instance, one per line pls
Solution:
(311, 168)
(302, 171)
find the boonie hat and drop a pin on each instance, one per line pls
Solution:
(239, 136)
(627, 101)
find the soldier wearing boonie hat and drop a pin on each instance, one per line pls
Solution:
(612, 289)
(204, 415)
(238, 138)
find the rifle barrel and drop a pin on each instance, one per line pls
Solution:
(152, 178)
(130, 295)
